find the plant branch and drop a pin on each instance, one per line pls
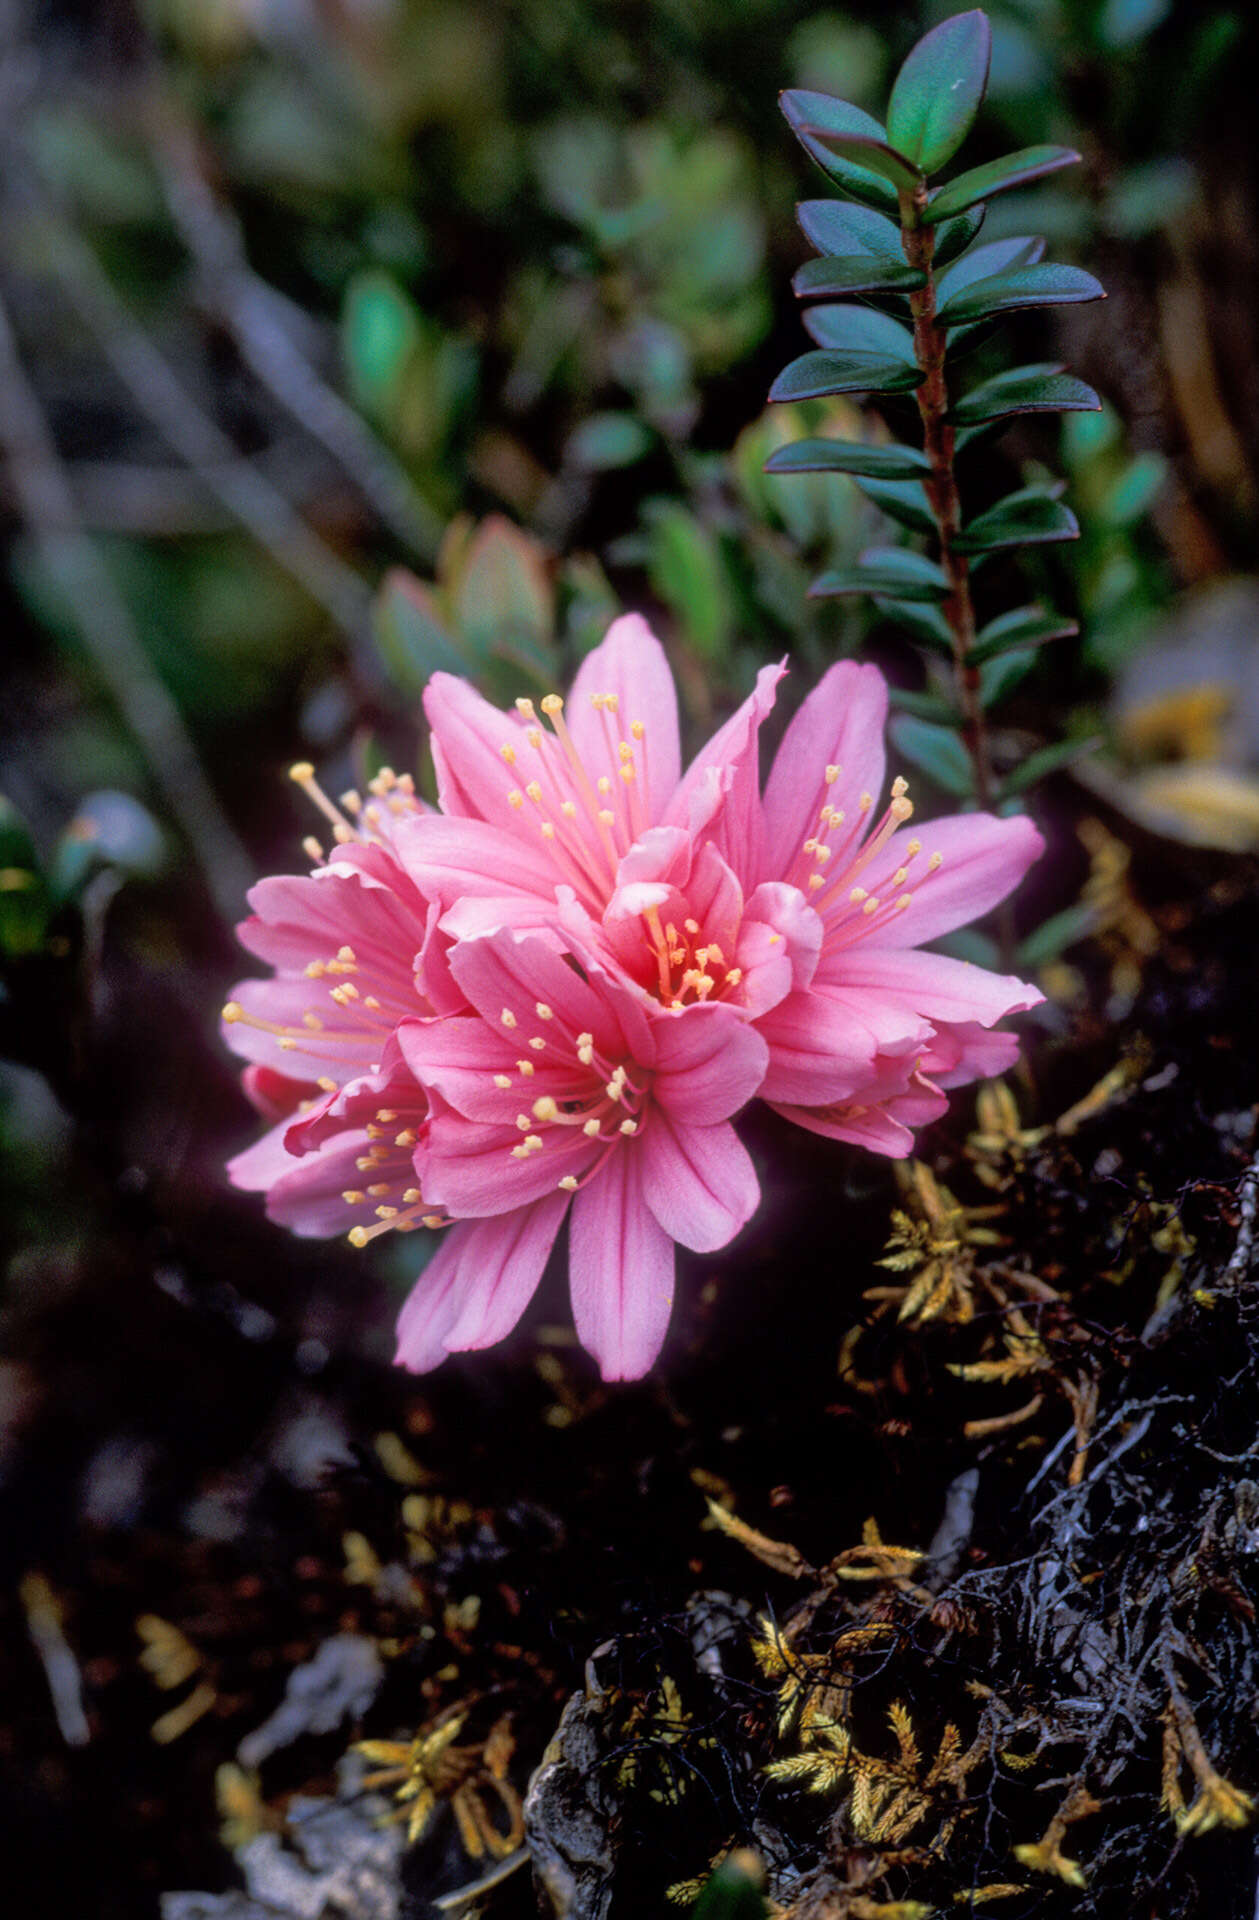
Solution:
(918, 242)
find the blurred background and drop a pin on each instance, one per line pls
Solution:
(343, 341)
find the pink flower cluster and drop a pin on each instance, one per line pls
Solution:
(550, 998)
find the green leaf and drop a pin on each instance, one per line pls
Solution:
(939, 90)
(686, 569)
(838, 227)
(410, 635)
(847, 328)
(967, 943)
(936, 751)
(1045, 285)
(1042, 388)
(1001, 675)
(902, 500)
(855, 273)
(848, 456)
(1130, 497)
(1030, 517)
(1022, 627)
(893, 571)
(923, 621)
(997, 176)
(1124, 23)
(802, 107)
(923, 706)
(995, 256)
(604, 441)
(1046, 760)
(815, 374)
(954, 236)
(1055, 935)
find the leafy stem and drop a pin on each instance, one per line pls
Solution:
(918, 241)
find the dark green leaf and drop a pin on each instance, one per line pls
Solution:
(954, 236)
(874, 156)
(1055, 935)
(923, 706)
(937, 751)
(924, 621)
(892, 571)
(838, 227)
(1044, 761)
(815, 374)
(995, 256)
(1022, 627)
(1030, 517)
(846, 328)
(998, 176)
(902, 500)
(1046, 285)
(1001, 675)
(801, 107)
(855, 273)
(938, 91)
(1124, 23)
(848, 456)
(1043, 388)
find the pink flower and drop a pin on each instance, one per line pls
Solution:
(800, 910)
(565, 1090)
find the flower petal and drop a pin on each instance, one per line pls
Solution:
(711, 1062)
(984, 859)
(477, 1285)
(932, 985)
(630, 663)
(469, 1169)
(719, 795)
(840, 724)
(698, 1181)
(620, 1271)
(823, 1043)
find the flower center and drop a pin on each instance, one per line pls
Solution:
(591, 1095)
(830, 861)
(690, 968)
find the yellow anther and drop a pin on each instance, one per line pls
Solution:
(901, 809)
(524, 1121)
(611, 702)
(406, 1138)
(569, 809)
(603, 784)
(568, 1184)
(810, 846)
(343, 834)
(606, 817)
(934, 860)
(857, 895)
(832, 775)
(516, 799)
(508, 752)
(543, 1011)
(379, 1191)
(534, 737)
(913, 849)
(312, 1021)
(900, 876)
(352, 801)
(637, 729)
(507, 1017)
(544, 1108)
(525, 709)
(534, 791)
(866, 802)
(900, 787)
(547, 830)
(816, 880)
(629, 1126)
(432, 1220)
(526, 1068)
(624, 751)
(312, 849)
(552, 704)
(900, 905)
(534, 1142)
(326, 1086)
(412, 1196)
(591, 1129)
(354, 1197)
(871, 904)
(358, 1236)
(233, 1012)
(502, 1080)
(822, 855)
(371, 1002)
(736, 973)
(537, 1043)
(301, 771)
(627, 775)
(386, 1213)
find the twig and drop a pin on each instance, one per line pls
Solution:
(1238, 1268)
(918, 241)
(250, 499)
(105, 624)
(254, 313)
